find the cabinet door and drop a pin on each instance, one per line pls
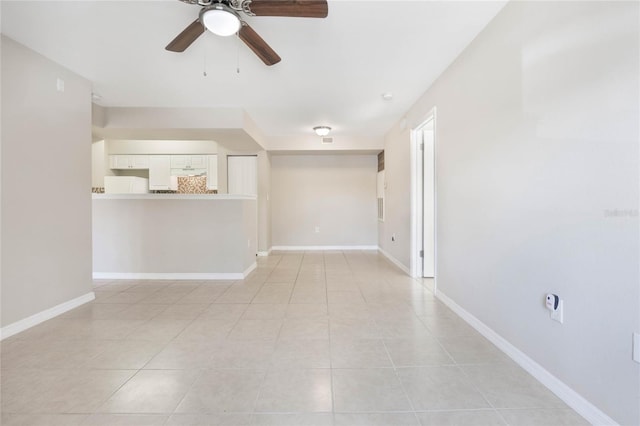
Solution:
(212, 172)
(139, 162)
(180, 161)
(198, 161)
(159, 172)
(118, 161)
(122, 161)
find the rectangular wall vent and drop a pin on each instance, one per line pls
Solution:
(327, 140)
(381, 209)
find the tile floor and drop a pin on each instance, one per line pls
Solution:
(334, 338)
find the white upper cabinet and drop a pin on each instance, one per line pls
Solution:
(159, 172)
(212, 172)
(198, 161)
(139, 162)
(188, 161)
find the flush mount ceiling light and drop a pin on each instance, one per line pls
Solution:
(220, 19)
(322, 130)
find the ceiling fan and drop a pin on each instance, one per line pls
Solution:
(222, 17)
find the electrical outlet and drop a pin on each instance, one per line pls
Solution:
(60, 85)
(558, 314)
(317, 229)
(635, 352)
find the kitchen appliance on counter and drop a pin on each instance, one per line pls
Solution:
(125, 185)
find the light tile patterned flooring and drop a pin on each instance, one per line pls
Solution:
(334, 338)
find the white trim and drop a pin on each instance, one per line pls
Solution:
(264, 253)
(250, 269)
(395, 261)
(309, 248)
(168, 276)
(573, 399)
(416, 208)
(47, 314)
(416, 263)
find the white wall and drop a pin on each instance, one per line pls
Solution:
(397, 201)
(46, 184)
(537, 148)
(337, 193)
(264, 201)
(99, 163)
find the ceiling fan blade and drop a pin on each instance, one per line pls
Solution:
(186, 37)
(258, 45)
(293, 8)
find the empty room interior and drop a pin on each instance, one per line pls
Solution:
(319, 212)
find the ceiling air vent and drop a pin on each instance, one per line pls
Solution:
(327, 140)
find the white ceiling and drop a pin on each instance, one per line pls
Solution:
(333, 71)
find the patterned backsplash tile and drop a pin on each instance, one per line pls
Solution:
(193, 185)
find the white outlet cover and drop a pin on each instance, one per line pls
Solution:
(636, 348)
(558, 314)
(60, 85)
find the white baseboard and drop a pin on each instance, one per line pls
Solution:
(321, 248)
(47, 314)
(574, 400)
(265, 253)
(168, 276)
(395, 261)
(249, 270)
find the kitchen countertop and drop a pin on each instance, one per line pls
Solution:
(172, 197)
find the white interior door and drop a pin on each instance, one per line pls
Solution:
(428, 199)
(242, 174)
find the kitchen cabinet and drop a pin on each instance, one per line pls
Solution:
(137, 162)
(188, 162)
(212, 172)
(159, 172)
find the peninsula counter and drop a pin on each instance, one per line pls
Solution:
(174, 236)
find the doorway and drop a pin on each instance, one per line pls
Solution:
(423, 256)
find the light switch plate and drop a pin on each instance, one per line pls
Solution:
(636, 348)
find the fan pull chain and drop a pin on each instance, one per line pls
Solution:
(238, 54)
(204, 65)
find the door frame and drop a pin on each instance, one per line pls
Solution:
(416, 263)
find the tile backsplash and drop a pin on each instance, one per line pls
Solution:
(189, 185)
(192, 185)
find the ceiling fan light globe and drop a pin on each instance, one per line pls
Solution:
(221, 21)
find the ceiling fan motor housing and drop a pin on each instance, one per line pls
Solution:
(222, 17)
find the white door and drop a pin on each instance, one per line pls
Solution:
(428, 201)
(242, 174)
